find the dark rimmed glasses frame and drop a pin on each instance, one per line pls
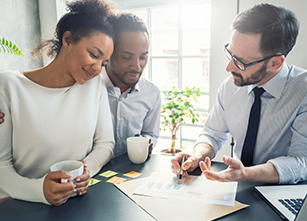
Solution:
(239, 64)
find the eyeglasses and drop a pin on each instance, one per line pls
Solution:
(240, 64)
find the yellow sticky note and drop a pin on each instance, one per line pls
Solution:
(116, 180)
(132, 174)
(108, 174)
(93, 182)
(186, 180)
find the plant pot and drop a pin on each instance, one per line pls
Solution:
(167, 153)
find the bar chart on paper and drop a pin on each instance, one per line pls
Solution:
(193, 188)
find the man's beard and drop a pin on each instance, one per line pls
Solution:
(253, 79)
(122, 78)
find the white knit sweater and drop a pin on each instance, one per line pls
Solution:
(46, 125)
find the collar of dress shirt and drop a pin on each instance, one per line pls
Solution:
(276, 85)
(109, 83)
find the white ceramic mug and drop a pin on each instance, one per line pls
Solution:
(137, 148)
(73, 167)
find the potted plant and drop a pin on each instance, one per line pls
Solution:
(9, 47)
(176, 109)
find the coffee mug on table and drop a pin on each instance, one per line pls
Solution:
(137, 148)
(73, 167)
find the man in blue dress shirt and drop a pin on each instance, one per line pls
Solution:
(261, 39)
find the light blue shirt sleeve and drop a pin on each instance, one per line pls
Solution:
(215, 131)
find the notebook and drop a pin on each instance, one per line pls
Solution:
(284, 199)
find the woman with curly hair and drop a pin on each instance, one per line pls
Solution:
(59, 112)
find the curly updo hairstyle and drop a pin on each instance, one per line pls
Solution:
(84, 18)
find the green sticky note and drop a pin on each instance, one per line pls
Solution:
(93, 182)
(108, 174)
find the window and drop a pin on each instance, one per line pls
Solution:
(180, 56)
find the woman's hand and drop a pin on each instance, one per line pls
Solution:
(57, 193)
(81, 182)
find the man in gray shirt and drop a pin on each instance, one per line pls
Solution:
(134, 101)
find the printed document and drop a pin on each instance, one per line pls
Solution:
(192, 188)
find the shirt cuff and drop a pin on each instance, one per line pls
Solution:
(285, 167)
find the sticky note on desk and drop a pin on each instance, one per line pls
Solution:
(93, 182)
(186, 180)
(116, 180)
(108, 174)
(132, 174)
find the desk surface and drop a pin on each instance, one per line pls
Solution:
(104, 201)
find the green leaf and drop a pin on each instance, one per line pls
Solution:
(176, 115)
(9, 47)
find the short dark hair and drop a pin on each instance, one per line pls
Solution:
(84, 18)
(278, 27)
(128, 22)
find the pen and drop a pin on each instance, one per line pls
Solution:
(181, 171)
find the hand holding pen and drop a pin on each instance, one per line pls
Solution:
(189, 164)
(181, 170)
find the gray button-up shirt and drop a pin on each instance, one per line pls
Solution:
(135, 111)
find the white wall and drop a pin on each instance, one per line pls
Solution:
(49, 13)
(20, 24)
(25, 22)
